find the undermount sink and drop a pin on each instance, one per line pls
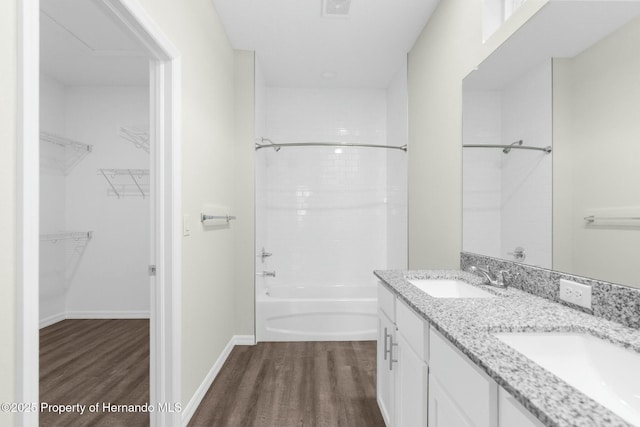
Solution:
(607, 373)
(449, 288)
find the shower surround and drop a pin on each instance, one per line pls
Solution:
(328, 215)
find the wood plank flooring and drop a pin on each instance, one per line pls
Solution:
(316, 384)
(95, 361)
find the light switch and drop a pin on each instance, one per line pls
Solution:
(186, 225)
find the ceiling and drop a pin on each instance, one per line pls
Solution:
(80, 45)
(296, 46)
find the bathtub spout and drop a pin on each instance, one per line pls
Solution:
(266, 273)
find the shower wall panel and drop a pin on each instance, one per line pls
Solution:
(326, 208)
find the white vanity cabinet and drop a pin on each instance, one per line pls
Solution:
(460, 393)
(402, 368)
(424, 380)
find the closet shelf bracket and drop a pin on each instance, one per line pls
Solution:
(135, 181)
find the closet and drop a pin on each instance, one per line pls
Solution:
(94, 169)
(95, 212)
(94, 204)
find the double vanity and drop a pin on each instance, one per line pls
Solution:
(453, 351)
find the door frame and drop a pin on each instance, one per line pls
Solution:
(165, 295)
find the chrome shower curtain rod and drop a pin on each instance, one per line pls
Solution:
(277, 146)
(506, 148)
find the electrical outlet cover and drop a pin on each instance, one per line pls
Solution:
(575, 293)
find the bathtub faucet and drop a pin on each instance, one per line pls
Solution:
(266, 273)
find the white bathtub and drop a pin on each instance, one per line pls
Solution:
(317, 313)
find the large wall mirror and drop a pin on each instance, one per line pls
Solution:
(551, 137)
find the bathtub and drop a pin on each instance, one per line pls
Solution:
(316, 313)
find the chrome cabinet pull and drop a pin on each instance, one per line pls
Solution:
(391, 359)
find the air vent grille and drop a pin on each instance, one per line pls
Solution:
(336, 8)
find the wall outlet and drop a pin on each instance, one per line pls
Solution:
(575, 293)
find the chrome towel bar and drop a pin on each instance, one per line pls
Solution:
(204, 217)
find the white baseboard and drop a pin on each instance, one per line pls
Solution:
(107, 315)
(244, 340)
(195, 401)
(48, 321)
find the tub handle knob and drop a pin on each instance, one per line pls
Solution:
(264, 254)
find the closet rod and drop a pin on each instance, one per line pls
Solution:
(278, 145)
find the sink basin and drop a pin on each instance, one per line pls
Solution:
(450, 288)
(607, 373)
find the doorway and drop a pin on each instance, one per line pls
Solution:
(162, 193)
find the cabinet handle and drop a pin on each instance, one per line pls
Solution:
(391, 359)
(385, 343)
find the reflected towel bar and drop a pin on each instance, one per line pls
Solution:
(594, 218)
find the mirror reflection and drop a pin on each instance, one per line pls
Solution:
(584, 103)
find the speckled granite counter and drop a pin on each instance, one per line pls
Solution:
(470, 323)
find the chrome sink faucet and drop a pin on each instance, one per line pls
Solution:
(490, 278)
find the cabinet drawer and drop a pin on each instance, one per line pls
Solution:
(387, 302)
(475, 394)
(413, 328)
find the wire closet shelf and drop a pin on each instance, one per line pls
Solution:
(277, 145)
(68, 235)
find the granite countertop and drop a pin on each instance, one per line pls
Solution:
(470, 323)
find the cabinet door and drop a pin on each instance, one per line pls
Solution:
(512, 413)
(442, 410)
(385, 380)
(474, 393)
(411, 385)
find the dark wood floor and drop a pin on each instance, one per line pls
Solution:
(95, 361)
(328, 384)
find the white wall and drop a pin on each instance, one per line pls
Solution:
(111, 275)
(244, 206)
(326, 211)
(596, 162)
(397, 135)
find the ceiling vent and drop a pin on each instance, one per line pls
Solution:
(336, 8)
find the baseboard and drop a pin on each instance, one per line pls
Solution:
(48, 321)
(107, 315)
(195, 401)
(244, 340)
